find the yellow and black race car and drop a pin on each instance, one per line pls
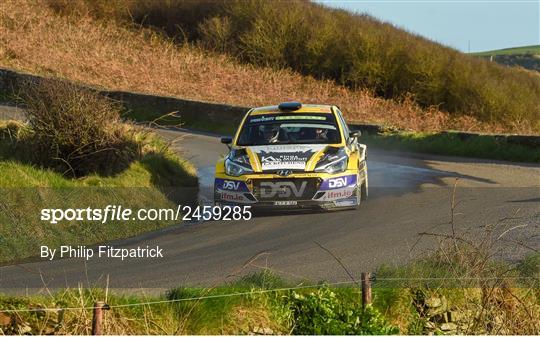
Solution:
(293, 155)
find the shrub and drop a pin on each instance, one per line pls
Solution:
(216, 34)
(76, 131)
(322, 313)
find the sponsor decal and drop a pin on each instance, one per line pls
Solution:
(234, 197)
(292, 160)
(338, 182)
(287, 147)
(231, 185)
(261, 119)
(317, 118)
(291, 157)
(231, 196)
(283, 189)
(338, 194)
(284, 160)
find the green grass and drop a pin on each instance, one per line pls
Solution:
(245, 306)
(225, 315)
(534, 49)
(159, 179)
(238, 314)
(451, 144)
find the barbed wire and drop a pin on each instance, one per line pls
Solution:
(263, 291)
(375, 278)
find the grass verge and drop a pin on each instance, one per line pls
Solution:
(156, 179)
(452, 144)
(254, 311)
(264, 303)
(74, 154)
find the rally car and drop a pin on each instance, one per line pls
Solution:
(293, 155)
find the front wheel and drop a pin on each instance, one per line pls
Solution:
(364, 185)
(358, 193)
(364, 191)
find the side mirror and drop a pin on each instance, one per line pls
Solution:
(355, 134)
(226, 140)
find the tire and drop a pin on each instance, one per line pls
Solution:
(358, 192)
(364, 191)
(364, 186)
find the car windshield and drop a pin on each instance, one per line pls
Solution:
(289, 129)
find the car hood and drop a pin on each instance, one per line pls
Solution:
(295, 157)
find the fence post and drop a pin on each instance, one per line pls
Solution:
(99, 307)
(366, 289)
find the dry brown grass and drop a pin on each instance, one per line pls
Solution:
(34, 39)
(159, 319)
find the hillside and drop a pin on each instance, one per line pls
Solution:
(527, 57)
(533, 50)
(356, 51)
(39, 39)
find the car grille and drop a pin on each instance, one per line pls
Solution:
(285, 189)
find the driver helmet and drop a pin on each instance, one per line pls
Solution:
(270, 132)
(321, 132)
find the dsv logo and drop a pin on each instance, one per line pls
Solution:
(282, 189)
(231, 185)
(337, 182)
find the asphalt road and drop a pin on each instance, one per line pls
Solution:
(409, 194)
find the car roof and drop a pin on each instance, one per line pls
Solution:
(306, 108)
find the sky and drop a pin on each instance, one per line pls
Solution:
(485, 25)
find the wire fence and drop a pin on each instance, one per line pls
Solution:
(372, 279)
(245, 293)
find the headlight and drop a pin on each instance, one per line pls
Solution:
(336, 166)
(334, 160)
(237, 163)
(236, 169)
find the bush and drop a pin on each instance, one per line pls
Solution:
(76, 131)
(322, 313)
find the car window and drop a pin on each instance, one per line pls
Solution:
(289, 129)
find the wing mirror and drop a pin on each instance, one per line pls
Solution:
(227, 141)
(355, 134)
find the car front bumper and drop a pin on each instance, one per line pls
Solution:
(299, 191)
